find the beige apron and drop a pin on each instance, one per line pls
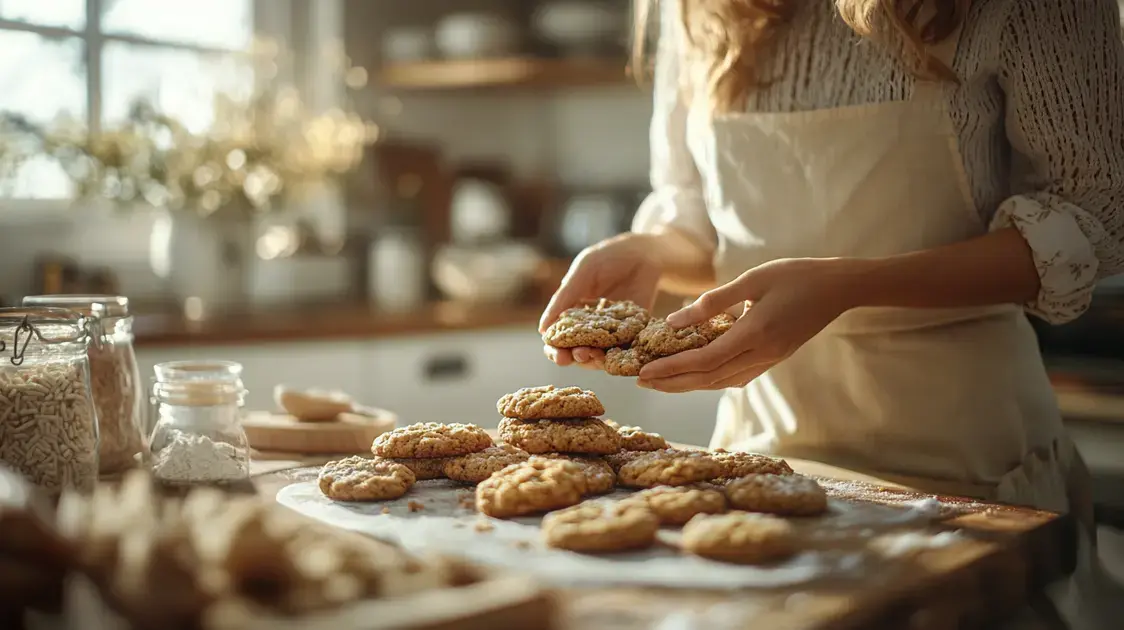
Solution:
(954, 400)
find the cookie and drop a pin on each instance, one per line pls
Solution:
(550, 402)
(659, 339)
(637, 439)
(789, 495)
(601, 527)
(603, 325)
(739, 464)
(668, 467)
(430, 440)
(363, 479)
(739, 538)
(476, 467)
(423, 469)
(626, 361)
(620, 458)
(598, 474)
(536, 485)
(675, 505)
(577, 435)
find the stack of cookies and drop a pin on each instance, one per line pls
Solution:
(630, 336)
(556, 452)
(402, 457)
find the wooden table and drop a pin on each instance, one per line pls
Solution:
(1000, 566)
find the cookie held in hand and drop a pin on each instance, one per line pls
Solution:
(603, 325)
(659, 339)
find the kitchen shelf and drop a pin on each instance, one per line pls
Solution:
(518, 72)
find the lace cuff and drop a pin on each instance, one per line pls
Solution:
(1061, 236)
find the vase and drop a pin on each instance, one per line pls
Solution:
(203, 261)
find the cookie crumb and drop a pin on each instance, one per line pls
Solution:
(521, 544)
(414, 506)
(483, 526)
(386, 509)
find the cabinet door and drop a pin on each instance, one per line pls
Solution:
(335, 365)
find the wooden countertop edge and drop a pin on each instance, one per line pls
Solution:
(166, 330)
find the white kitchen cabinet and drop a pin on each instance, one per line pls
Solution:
(300, 364)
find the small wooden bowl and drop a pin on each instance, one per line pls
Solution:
(348, 433)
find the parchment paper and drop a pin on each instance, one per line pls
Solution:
(836, 543)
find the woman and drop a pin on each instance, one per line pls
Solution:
(888, 187)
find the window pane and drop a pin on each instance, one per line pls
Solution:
(180, 83)
(41, 79)
(224, 24)
(64, 13)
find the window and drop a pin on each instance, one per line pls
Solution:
(91, 59)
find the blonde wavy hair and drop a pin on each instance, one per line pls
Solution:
(728, 38)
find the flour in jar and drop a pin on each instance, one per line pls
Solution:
(192, 458)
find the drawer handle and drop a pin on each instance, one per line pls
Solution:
(446, 368)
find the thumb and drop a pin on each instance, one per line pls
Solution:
(716, 301)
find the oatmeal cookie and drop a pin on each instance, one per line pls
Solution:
(675, 505)
(549, 402)
(739, 464)
(476, 467)
(601, 527)
(362, 479)
(424, 468)
(576, 435)
(658, 339)
(668, 467)
(637, 439)
(603, 325)
(431, 440)
(598, 474)
(536, 485)
(739, 537)
(622, 457)
(788, 495)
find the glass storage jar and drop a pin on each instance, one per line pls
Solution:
(198, 436)
(48, 422)
(114, 377)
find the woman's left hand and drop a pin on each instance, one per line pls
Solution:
(787, 302)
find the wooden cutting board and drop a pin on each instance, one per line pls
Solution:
(349, 434)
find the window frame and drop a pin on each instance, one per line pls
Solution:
(270, 18)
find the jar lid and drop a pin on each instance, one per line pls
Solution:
(47, 325)
(112, 305)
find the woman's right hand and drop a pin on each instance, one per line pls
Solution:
(624, 267)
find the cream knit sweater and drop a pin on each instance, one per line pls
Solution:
(1041, 95)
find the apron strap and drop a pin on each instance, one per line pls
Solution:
(945, 52)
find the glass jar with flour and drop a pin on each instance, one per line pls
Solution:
(198, 436)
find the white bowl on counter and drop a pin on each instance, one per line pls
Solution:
(485, 274)
(476, 36)
(410, 43)
(580, 27)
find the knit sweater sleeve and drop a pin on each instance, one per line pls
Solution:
(677, 201)
(1063, 76)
